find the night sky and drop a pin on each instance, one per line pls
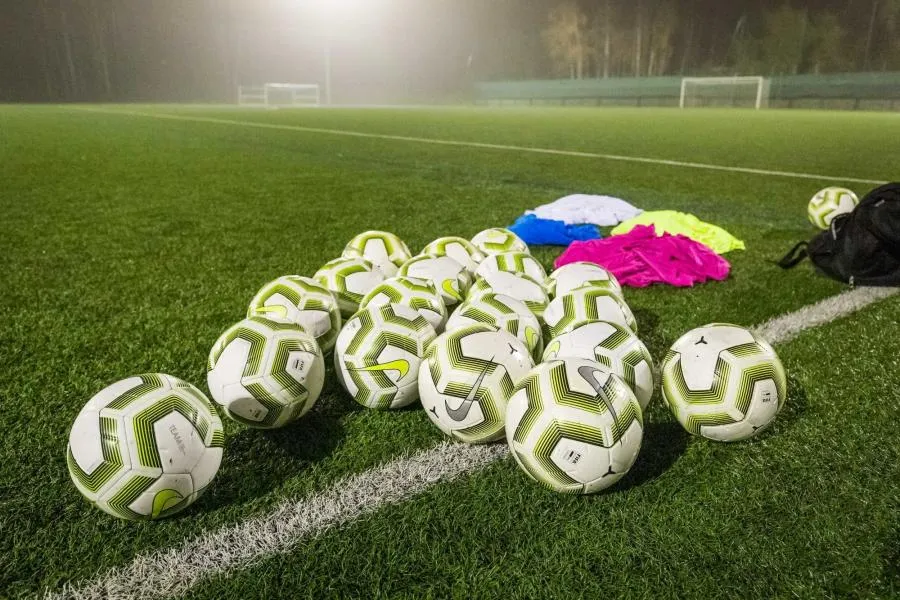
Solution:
(390, 50)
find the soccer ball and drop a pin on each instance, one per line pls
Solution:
(303, 301)
(503, 312)
(613, 346)
(586, 304)
(448, 276)
(265, 372)
(382, 248)
(497, 240)
(572, 276)
(459, 249)
(829, 203)
(419, 294)
(378, 353)
(512, 262)
(574, 426)
(516, 285)
(722, 382)
(145, 447)
(349, 279)
(467, 378)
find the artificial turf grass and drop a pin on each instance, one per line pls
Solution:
(134, 243)
(771, 517)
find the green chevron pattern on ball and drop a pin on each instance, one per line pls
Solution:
(574, 426)
(349, 279)
(721, 382)
(470, 375)
(503, 312)
(459, 249)
(449, 277)
(513, 262)
(378, 354)
(613, 346)
(144, 439)
(419, 294)
(304, 301)
(828, 204)
(515, 285)
(583, 305)
(497, 240)
(383, 248)
(265, 373)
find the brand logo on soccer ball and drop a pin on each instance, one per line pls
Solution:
(174, 431)
(590, 375)
(399, 365)
(462, 411)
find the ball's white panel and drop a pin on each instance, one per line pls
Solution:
(206, 468)
(224, 379)
(584, 463)
(449, 277)
(573, 276)
(178, 442)
(363, 281)
(238, 400)
(699, 351)
(84, 439)
(620, 459)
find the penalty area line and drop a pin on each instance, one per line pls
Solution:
(483, 145)
(174, 571)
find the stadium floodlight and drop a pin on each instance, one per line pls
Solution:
(330, 11)
(724, 91)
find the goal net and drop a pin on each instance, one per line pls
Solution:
(279, 94)
(747, 92)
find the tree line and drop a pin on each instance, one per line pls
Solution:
(638, 38)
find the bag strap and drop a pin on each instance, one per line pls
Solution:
(795, 256)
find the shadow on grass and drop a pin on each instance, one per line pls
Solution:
(796, 404)
(664, 442)
(256, 461)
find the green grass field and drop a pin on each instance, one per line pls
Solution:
(129, 243)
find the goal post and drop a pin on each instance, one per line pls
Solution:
(750, 92)
(280, 94)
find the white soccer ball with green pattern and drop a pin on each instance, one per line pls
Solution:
(829, 203)
(304, 301)
(572, 276)
(613, 346)
(467, 378)
(349, 279)
(583, 305)
(516, 285)
(512, 262)
(449, 277)
(382, 248)
(459, 249)
(265, 372)
(418, 294)
(574, 426)
(145, 447)
(497, 240)
(723, 383)
(378, 354)
(503, 312)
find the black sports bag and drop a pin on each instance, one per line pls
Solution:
(860, 248)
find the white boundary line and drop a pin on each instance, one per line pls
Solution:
(482, 145)
(172, 572)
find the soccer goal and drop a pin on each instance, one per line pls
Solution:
(280, 94)
(749, 92)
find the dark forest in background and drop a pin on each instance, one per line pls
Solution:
(419, 50)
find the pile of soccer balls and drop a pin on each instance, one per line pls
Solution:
(476, 330)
